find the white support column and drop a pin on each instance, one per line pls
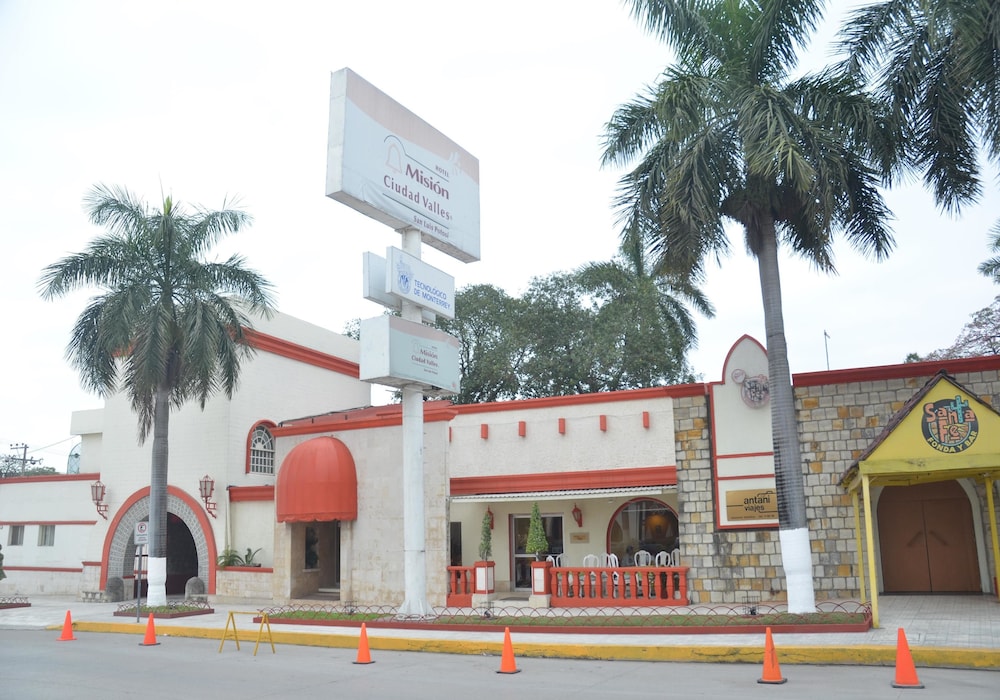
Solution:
(414, 533)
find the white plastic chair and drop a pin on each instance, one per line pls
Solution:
(592, 561)
(663, 558)
(675, 558)
(643, 558)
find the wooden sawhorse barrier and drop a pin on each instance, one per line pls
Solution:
(231, 622)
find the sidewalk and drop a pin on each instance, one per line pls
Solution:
(941, 631)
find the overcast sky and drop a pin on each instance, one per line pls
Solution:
(213, 100)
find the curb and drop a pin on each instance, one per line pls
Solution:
(860, 655)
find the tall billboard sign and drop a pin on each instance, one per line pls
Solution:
(389, 164)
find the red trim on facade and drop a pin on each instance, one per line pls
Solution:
(238, 494)
(603, 423)
(300, 353)
(558, 481)
(739, 455)
(562, 426)
(48, 522)
(47, 569)
(362, 418)
(196, 507)
(91, 563)
(656, 392)
(645, 419)
(484, 431)
(51, 477)
(904, 371)
(522, 428)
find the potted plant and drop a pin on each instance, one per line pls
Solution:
(248, 558)
(229, 557)
(484, 568)
(537, 544)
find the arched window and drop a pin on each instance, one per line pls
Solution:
(261, 450)
(642, 524)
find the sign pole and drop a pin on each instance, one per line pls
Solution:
(414, 538)
(139, 538)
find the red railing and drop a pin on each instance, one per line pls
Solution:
(652, 586)
(461, 580)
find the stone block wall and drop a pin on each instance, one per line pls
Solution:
(837, 423)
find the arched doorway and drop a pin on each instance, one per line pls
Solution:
(927, 539)
(189, 552)
(182, 555)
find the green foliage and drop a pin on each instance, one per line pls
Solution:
(249, 557)
(486, 539)
(168, 325)
(605, 327)
(728, 136)
(934, 62)
(11, 466)
(537, 541)
(231, 557)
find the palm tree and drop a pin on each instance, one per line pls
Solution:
(935, 62)
(642, 316)
(167, 327)
(728, 135)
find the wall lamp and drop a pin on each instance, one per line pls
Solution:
(97, 491)
(577, 515)
(206, 487)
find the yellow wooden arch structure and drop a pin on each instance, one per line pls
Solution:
(944, 432)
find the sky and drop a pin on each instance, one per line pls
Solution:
(215, 102)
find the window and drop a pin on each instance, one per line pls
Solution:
(46, 535)
(643, 524)
(261, 451)
(16, 535)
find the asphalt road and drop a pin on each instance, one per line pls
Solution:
(34, 665)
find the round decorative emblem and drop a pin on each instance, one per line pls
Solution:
(754, 391)
(405, 276)
(950, 425)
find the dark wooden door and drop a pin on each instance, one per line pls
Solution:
(927, 539)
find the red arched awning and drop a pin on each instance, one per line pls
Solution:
(317, 482)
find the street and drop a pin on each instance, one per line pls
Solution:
(35, 666)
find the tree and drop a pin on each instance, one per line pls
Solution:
(486, 537)
(978, 338)
(642, 321)
(168, 326)
(562, 356)
(727, 136)
(491, 353)
(935, 62)
(537, 541)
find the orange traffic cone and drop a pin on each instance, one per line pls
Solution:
(906, 673)
(772, 672)
(364, 656)
(507, 664)
(150, 639)
(67, 633)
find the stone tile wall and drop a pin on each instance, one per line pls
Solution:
(837, 422)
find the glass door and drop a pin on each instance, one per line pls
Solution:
(520, 558)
